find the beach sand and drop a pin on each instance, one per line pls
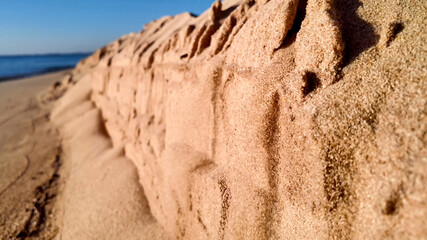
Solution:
(255, 120)
(29, 158)
(36, 162)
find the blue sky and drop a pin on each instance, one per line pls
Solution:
(60, 26)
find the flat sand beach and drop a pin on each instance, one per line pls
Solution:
(29, 157)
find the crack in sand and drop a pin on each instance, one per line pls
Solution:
(225, 205)
(271, 146)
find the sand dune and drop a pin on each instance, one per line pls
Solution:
(277, 119)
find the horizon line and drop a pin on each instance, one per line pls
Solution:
(47, 54)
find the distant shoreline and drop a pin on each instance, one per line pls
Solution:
(45, 71)
(14, 67)
(47, 54)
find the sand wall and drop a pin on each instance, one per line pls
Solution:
(278, 119)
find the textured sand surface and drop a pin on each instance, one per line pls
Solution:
(277, 119)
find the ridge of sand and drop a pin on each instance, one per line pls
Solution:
(278, 119)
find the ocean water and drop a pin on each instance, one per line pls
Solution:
(12, 67)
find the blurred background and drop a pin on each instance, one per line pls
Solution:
(52, 26)
(75, 28)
